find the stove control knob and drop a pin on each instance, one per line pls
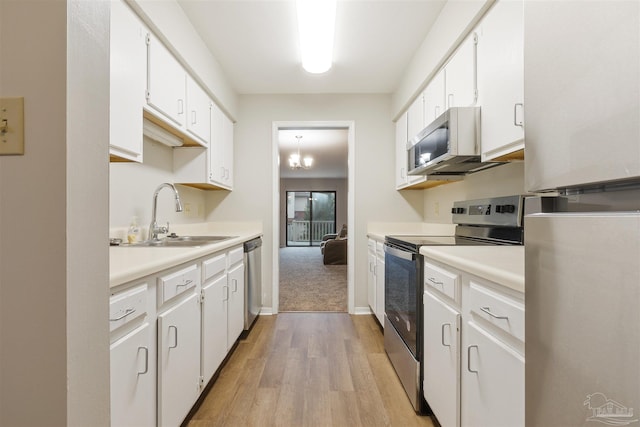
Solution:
(457, 211)
(505, 208)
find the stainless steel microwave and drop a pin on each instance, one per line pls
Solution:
(450, 145)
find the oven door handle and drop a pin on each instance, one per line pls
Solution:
(399, 253)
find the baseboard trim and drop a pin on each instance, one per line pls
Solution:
(266, 311)
(362, 310)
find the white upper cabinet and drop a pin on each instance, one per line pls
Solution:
(198, 115)
(501, 79)
(415, 117)
(128, 77)
(434, 98)
(221, 149)
(460, 77)
(401, 151)
(166, 84)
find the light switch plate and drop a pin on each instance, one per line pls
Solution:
(11, 126)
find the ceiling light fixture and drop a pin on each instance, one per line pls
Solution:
(295, 158)
(316, 27)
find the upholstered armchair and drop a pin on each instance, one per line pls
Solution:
(334, 247)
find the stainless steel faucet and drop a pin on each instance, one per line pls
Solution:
(154, 229)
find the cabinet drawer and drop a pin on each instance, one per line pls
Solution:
(236, 256)
(371, 244)
(444, 281)
(126, 306)
(500, 310)
(214, 266)
(178, 282)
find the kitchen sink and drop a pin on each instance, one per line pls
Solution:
(180, 241)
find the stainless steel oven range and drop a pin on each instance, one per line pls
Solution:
(493, 221)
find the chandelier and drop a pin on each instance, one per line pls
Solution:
(296, 161)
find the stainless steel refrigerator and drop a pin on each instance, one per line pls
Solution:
(582, 262)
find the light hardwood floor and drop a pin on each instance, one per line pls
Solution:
(309, 369)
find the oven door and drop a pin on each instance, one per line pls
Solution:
(402, 293)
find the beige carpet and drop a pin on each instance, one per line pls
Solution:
(308, 285)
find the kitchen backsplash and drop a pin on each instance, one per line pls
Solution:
(132, 186)
(502, 180)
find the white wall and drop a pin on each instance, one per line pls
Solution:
(374, 188)
(54, 354)
(454, 22)
(133, 184)
(314, 184)
(503, 180)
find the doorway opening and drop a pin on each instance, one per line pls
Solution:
(310, 203)
(310, 216)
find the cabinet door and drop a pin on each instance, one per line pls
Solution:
(434, 98)
(236, 304)
(133, 394)
(198, 117)
(214, 326)
(128, 68)
(380, 288)
(227, 132)
(501, 79)
(415, 117)
(442, 360)
(401, 151)
(216, 147)
(178, 361)
(166, 84)
(371, 281)
(492, 381)
(460, 75)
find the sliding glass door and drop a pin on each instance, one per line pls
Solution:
(310, 215)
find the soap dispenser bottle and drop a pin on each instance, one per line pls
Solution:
(134, 231)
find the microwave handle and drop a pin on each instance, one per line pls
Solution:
(399, 253)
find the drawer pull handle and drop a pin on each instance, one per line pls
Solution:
(435, 282)
(488, 311)
(186, 283)
(176, 335)
(235, 285)
(146, 360)
(442, 334)
(127, 312)
(469, 359)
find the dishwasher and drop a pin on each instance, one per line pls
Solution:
(252, 281)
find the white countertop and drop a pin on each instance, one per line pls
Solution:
(503, 265)
(131, 263)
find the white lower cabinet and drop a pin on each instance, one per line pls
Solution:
(235, 308)
(473, 349)
(214, 325)
(170, 333)
(133, 393)
(441, 383)
(371, 276)
(178, 360)
(492, 381)
(379, 307)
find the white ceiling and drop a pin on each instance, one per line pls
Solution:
(255, 42)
